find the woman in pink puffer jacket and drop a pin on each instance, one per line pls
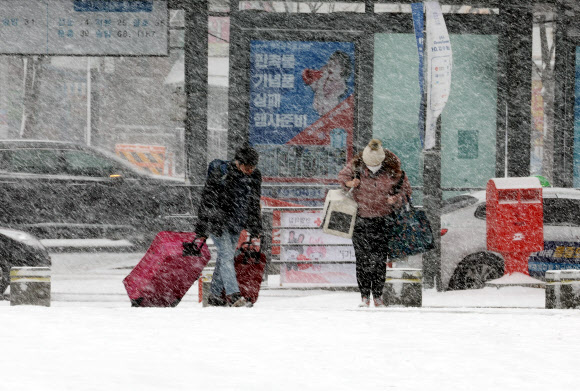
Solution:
(375, 177)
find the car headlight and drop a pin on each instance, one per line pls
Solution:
(22, 237)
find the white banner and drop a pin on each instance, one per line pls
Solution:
(439, 64)
(84, 27)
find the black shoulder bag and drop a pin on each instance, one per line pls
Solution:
(410, 232)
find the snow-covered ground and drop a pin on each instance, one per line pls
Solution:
(91, 339)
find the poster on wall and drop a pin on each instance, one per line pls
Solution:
(307, 242)
(310, 257)
(302, 108)
(554, 256)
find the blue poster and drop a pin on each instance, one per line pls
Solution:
(419, 26)
(302, 107)
(555, 256)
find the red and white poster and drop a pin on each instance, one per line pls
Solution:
(302, 108)
(311, 257)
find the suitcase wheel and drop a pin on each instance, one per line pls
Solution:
(136, 302)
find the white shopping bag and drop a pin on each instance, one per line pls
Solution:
(339, 213)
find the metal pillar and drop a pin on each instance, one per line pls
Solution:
(564, 98)
(432, 199)
(196, 88)
(517, 21)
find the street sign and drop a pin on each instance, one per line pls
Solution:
(84, 27)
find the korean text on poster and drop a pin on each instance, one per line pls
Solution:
(301, 108)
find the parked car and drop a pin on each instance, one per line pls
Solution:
(18, 248)
(65, 190)
(467, 264)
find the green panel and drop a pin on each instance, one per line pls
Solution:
(471, 109)
(396, 99)
(468, 122)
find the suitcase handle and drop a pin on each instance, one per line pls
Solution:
(250, 245)
(191, 249)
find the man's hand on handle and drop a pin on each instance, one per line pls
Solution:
(352, 184)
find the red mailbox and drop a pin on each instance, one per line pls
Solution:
(515, 220)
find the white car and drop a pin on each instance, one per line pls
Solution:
(467, 264)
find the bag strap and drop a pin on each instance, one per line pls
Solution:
(397, 188)
(357, 168)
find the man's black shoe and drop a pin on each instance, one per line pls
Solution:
(214, 301)
(236, 300)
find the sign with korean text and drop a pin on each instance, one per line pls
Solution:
(307, 242)
(84, 27)
(302, 108)
(555, 256)
(311, 257)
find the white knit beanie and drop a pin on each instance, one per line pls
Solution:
(374, 154)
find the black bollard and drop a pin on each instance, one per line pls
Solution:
(403, 287)
(30, 286)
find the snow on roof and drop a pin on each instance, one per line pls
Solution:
(517, 183)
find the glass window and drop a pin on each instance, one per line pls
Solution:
(86, 164)
(480, 212)
(469, 124)
(561, 211)
(557, 211)
(456, 203)
(32, 161)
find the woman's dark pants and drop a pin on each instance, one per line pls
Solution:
(370, 248)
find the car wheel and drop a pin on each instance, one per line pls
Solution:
(475, 271)
(4, 279)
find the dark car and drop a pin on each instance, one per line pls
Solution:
(65, 190)
(17, 249)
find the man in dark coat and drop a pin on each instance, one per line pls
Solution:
(230, 203)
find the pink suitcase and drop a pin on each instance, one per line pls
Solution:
(168, 269)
